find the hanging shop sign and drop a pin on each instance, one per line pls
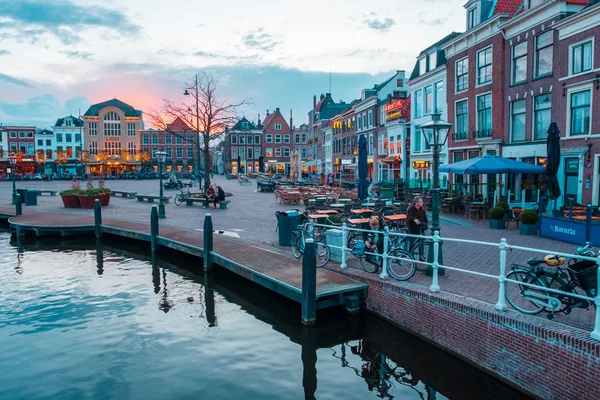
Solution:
(420, 164)
(393, 110)
(346, 162)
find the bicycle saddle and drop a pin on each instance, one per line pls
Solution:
(535, 261)
(553, 260)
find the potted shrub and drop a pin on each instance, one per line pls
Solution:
(497, 215)
(104, 192)
(87, 197)
(529, 221)
(70, 197)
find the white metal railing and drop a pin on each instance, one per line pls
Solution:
(503, 246)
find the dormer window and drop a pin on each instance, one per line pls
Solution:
(472, 19)
(432, 60)
(422, 66)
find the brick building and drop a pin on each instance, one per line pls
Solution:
(242, 147)
(278, 143)
(20, 140)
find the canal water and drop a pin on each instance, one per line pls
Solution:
(88, 320)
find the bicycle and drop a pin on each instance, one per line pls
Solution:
(415, 248)
(587, 251)
(322, 251)
(577, 277)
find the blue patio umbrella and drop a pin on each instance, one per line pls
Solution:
(489, 164)
(363, 171)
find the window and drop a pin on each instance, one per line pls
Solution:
(472, 18)
(277, 138)
(543, 53)
(440, 96)
(269, 151)
(249, 139)
(462, 120)
(146, 139)
(131, 148)
(296, 139)
(428, 102)
(242, 139)
(250, 155)
(542, 107)
(277, 127)
(233, 139)
(13, 147)
(93, 148)
(112, 124)
(303, 153)
(30, 148)
(519, 63)
(484, 112)
(484, 66)
(40, 142)
(286, 151)
(77, 138)
(234, 153)
(517, 120)
(417, 139)
(370, 118)
(29, 134)
(422, 66)
(364, 118)
(256, 152)
(581, 57)
(131, 129)
(69, 137)
(21, 134)
(256, 139)
(48, 142)
(154, 139)
(169, 152)
(22, 148)
(418, 103)
(113, 148)
(168, 138)
(190, 152)
(93, 128)
(278, 152)
(432, 61)
(580, 112)
(269, 138)
(462, 75)
(359, 123)
(286, 139)
(178, 140)
(13, 134)
(48, 154)
(179, 152)
(59, 138)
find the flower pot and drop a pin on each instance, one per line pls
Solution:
(88, 201)
(105, 200)
(528, 230)
(497, 224)
(70, 201)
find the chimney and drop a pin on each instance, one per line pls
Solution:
(291, 121)
(327, 94)
(277, 109)
(322, 96)
(267, 113)
(258, 119)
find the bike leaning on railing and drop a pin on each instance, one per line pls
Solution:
(533, 297)
(322, 252)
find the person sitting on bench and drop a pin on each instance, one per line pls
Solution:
(210, 196)
(220, 195)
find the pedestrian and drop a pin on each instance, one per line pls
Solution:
(416, 218)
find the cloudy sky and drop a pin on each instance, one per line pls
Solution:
(59, 56)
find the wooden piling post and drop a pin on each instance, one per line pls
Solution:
(97, 218)
(18, 205)
(208, 241)
(309, 283)
(153, 227)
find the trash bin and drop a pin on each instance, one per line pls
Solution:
(288, 222)
(334, 238)
(22, 193)
(31, 197)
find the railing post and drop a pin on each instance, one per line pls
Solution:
(18, 205)
(435, 287)
(153, 227)
(596, 332)
(311, 228)
(501, 304)
(384, 256)
(309, 283)
(208, 242)
(343, 265)
(97, 218)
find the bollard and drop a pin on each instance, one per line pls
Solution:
(208, 242)
(97, 218)
(309, 283)
(153, 227)
(343, 265)
(18, 205)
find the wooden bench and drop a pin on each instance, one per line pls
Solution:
(42, 191)
(151, 198)
(243, 180)
(191, 200)
(129, 195)
(223, 204)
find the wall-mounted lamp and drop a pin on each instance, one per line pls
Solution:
(564, 93)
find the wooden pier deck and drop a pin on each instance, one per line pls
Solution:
(271, 270)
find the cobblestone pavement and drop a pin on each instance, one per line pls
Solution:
(250, 218)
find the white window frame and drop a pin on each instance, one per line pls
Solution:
(581, 88)
(277, 127)
(535, 54)
(510, 116)
(491, 65)
(454, 110)
(456, 89)
(471, 24)
(513, 80)
(418, 94)
(269, 138)
(278, 138)
(592, 39)
(477, 110)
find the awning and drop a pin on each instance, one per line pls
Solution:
(312, 163)
(391, 159)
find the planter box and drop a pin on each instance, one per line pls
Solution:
(497, 224)
(88, 201)
(105, 200)
(71, 201)
(528, 230)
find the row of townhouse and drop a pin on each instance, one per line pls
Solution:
(518, 66)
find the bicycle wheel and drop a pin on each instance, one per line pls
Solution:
(369, 266)
(178, 200)
(297, 246)
(353, 238)
(323, 254)
(417, 255)
(402, 270)
(516, 296)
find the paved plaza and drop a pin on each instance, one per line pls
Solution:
(250, 218)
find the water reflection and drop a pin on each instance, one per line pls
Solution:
(165, 304)
(99, 257)
(209, 300)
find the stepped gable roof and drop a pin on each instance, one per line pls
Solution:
(129, 111)
(178, 125)
(76, 121)
(243, 124)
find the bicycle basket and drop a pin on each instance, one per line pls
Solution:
(359, 249)
(585, 274)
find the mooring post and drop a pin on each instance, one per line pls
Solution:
(208, 241)
(153, 227)
(18, 205)
(309, 283)
(98, 218)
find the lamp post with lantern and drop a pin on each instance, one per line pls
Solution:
(161, 156)
(436, 134)
(13, 169)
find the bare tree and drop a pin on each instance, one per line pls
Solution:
(206, 112)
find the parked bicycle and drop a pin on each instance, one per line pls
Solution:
(179, 197)
(548, 272)
(587, 251)
(322, 251)
(419, 248)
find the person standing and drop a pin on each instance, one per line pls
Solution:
(416, 218)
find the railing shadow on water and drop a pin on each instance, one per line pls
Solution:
(503, 246)
(385, 357)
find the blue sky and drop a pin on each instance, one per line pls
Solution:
(59, 56)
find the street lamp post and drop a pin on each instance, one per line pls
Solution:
(436, 134)
(186, 93)
(13, 169)
(161, 156)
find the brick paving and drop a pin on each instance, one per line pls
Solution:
(251, 216)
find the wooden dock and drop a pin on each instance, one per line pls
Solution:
(274, 271)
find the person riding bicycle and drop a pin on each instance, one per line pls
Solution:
(373, 240)
(416, 218)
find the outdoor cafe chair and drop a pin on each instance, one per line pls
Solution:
(511, 218)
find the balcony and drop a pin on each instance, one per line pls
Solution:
(482, 134)
(456, 136)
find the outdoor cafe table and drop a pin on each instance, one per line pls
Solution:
(317, 216)
(358, 221)
(583, 218)
(395, 217)
(368, 204)
(327, 212)
(337, 205)
(344, 200)
(361, 211)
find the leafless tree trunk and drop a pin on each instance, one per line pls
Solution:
(205, 112)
